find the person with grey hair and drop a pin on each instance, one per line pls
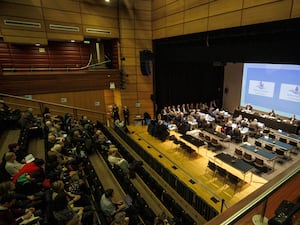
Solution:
(12, 166)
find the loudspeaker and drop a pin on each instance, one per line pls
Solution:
(145, 58)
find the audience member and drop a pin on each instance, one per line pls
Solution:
(126, 115)
(115, 113)
(6, 215)
(12, 166)
(108, 205)
(20, 154)
(116, 160)
(272, 113)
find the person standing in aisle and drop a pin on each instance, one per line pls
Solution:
(126, 115)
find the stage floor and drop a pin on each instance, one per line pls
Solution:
(195, 168)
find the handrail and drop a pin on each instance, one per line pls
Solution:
(42, 104)
(240, 210)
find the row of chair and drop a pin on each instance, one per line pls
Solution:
(224, 174)
(187, 149)
(257, 162)
(196, 201)
(211, 141)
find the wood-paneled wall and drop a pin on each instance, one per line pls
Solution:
(134, 34)
(173, 18)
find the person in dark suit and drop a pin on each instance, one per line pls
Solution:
(115, 113)
(272, 113)
(126, 115)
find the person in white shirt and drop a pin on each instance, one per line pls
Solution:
(12, 166)
(115, 159)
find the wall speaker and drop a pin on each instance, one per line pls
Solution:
(145, 58)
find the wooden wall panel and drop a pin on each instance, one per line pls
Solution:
(195, 26)
(24, 33)
(224, 6)
(128, 43)
(143, 15)
(174, 19)
(159, 23)
(159, 33)
(66, 5)
(100, 10)
(128, 52)
(128, 33)
(25, 2)
(276, 11)
(27, 40)
(127, 23)
(143, 4)
(225, 21)
(143, 34)
(158, 4)
(21, 11)
(143, 44)
(130, 61)
(159, 13)
(296, 9)
(143, 25)
(174, 7)
(193, 3)
(52, 82)
(65, 36)
(62, 16)
(195, 13)
(253, 3)
(174, 30)
(99, 21)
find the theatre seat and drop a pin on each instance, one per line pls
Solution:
(215, 143)
(238, 153)
(248, 158)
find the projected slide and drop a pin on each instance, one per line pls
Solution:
(272, 86)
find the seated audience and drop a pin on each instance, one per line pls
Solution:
(272, 113)
(248, 107)
(12, 166)
(116, 160)
(6, 214)
(20, 154)
(108, 205)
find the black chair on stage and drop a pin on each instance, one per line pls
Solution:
(222, 173)
(259, 164)
(234, 180)
(248, 158)
(215, 143)
(257, 143)
(269, 147)
(283, 140)
(238, 153)
(212, 166)
(272, 136)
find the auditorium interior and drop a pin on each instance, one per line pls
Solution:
(199, 154)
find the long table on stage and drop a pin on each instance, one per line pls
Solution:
(292, 139)
(276, 143)
(264, 155)
(241, 167)
(269, 122)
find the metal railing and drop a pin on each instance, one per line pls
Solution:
(39, 108)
